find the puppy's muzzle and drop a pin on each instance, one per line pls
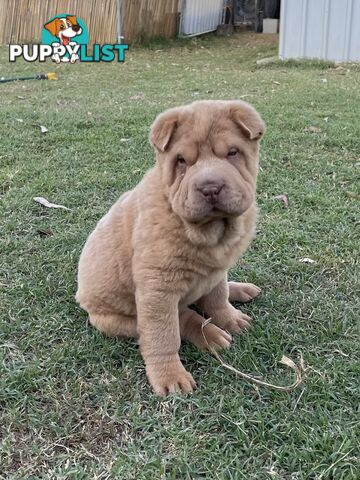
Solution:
(76, 28)
(210, 191)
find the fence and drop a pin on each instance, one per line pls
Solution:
(21, 21)
(144, 19)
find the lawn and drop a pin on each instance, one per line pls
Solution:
(76, 405)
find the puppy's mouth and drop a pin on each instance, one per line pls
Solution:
(197, 211)
(65, 40)
(208, 214)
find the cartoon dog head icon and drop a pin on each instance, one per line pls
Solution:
(64, 28)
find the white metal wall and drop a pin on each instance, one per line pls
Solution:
(325, 29)
(200, 16)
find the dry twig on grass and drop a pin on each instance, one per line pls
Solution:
(298, 369)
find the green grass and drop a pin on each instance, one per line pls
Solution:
(75, 405)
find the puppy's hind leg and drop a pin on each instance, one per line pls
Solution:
(114, 324)
(242, 292)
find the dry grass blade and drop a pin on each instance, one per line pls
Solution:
(299, 370)
(306, 260)
(48, 204)
(322, 475)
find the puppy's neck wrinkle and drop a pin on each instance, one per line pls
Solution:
(226, 232)
(208, 234)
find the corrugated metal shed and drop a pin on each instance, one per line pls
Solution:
(324, 29)
(200, 16)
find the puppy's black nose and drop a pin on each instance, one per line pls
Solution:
(210, 191)
(76, 28)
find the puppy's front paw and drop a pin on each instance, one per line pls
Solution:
(232, 320)
(238, 322)
(169, 377)
(216, 338)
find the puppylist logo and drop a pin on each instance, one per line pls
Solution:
(65, 39)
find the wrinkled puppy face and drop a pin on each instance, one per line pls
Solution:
(208, 156)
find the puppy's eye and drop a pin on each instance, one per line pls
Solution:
(62, 27)
(232, 152)
(180, 160)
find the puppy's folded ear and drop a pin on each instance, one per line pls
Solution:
(52, 27)
(163, 128)
(248, 119)
(72, 19)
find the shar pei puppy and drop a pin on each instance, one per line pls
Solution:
(168, 243)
